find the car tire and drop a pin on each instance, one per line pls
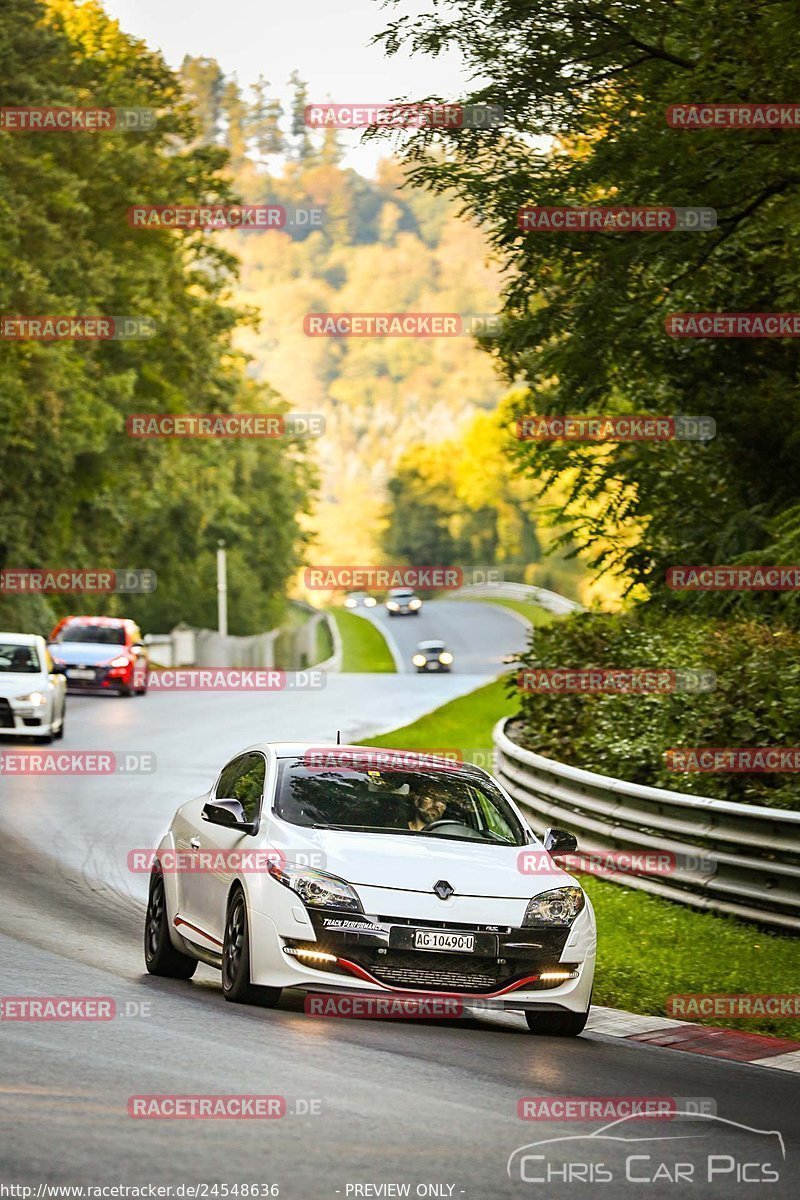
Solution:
(160, 956)
(58, 736)
(557, 1024)
(124, 690)
(236, 985)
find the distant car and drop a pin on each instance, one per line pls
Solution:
(105, 654)
(33, 694)
(432, 656)
(354, 599)
(403, 602)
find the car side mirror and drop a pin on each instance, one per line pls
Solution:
(559, 841)
(228, 813)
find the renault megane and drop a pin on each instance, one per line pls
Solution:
(341, 869)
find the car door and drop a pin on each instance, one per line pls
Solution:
(242, 780)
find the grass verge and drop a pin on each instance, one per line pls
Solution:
(364, 647)
(648, 948)
(538, 617)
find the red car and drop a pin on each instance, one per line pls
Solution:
(104, 654)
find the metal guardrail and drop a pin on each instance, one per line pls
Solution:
(737, 859)
(551, 601)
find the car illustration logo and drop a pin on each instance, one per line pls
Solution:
(443, 889)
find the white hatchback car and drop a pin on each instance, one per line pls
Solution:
(33, 693)
(346, 869)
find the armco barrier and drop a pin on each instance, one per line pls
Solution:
(748, 855)
(551, 601)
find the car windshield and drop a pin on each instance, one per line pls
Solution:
(19, 660)
(103, 635)
(444, 802)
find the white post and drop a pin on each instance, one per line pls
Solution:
(222, 590)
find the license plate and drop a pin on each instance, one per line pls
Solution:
(430, 939)
(79, 673)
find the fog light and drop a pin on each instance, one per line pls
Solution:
(557, 976)
(311, 955)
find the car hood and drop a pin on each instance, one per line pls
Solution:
(89, 654)
(19, 683)
(417, 863)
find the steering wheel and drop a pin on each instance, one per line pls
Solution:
(443, 821)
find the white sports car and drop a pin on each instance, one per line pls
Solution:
(33, 690)
(346, 869)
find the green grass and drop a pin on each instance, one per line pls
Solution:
(464, 724)
(648, 948)
(364, 647)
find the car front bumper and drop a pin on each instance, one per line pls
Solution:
(504, 971)
(25, 720)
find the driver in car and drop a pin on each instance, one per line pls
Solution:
(429, 808)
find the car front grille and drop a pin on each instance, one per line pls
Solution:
(6, 715)
(442, 979)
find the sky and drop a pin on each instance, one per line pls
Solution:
(326, 41)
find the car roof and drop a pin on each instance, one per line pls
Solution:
(298, 749)
(404, 591)
(112, 621)
(431, 645)
(21, 639)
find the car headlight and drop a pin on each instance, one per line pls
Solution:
(316, 889)
(446, 658)
(350, 604)
(419, 660)
(34, 698)
(119, 661)
(558, 907)
(392, 604)
(415, 603)
(370, 602)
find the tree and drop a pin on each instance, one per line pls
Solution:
(584, 88)
(76, 491)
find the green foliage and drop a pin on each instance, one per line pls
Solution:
(584, 88)
(756, 702)
(76, 490)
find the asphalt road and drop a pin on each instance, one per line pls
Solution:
(424, 1104)
(477, 634)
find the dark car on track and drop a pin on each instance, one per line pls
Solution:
(432, 656)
